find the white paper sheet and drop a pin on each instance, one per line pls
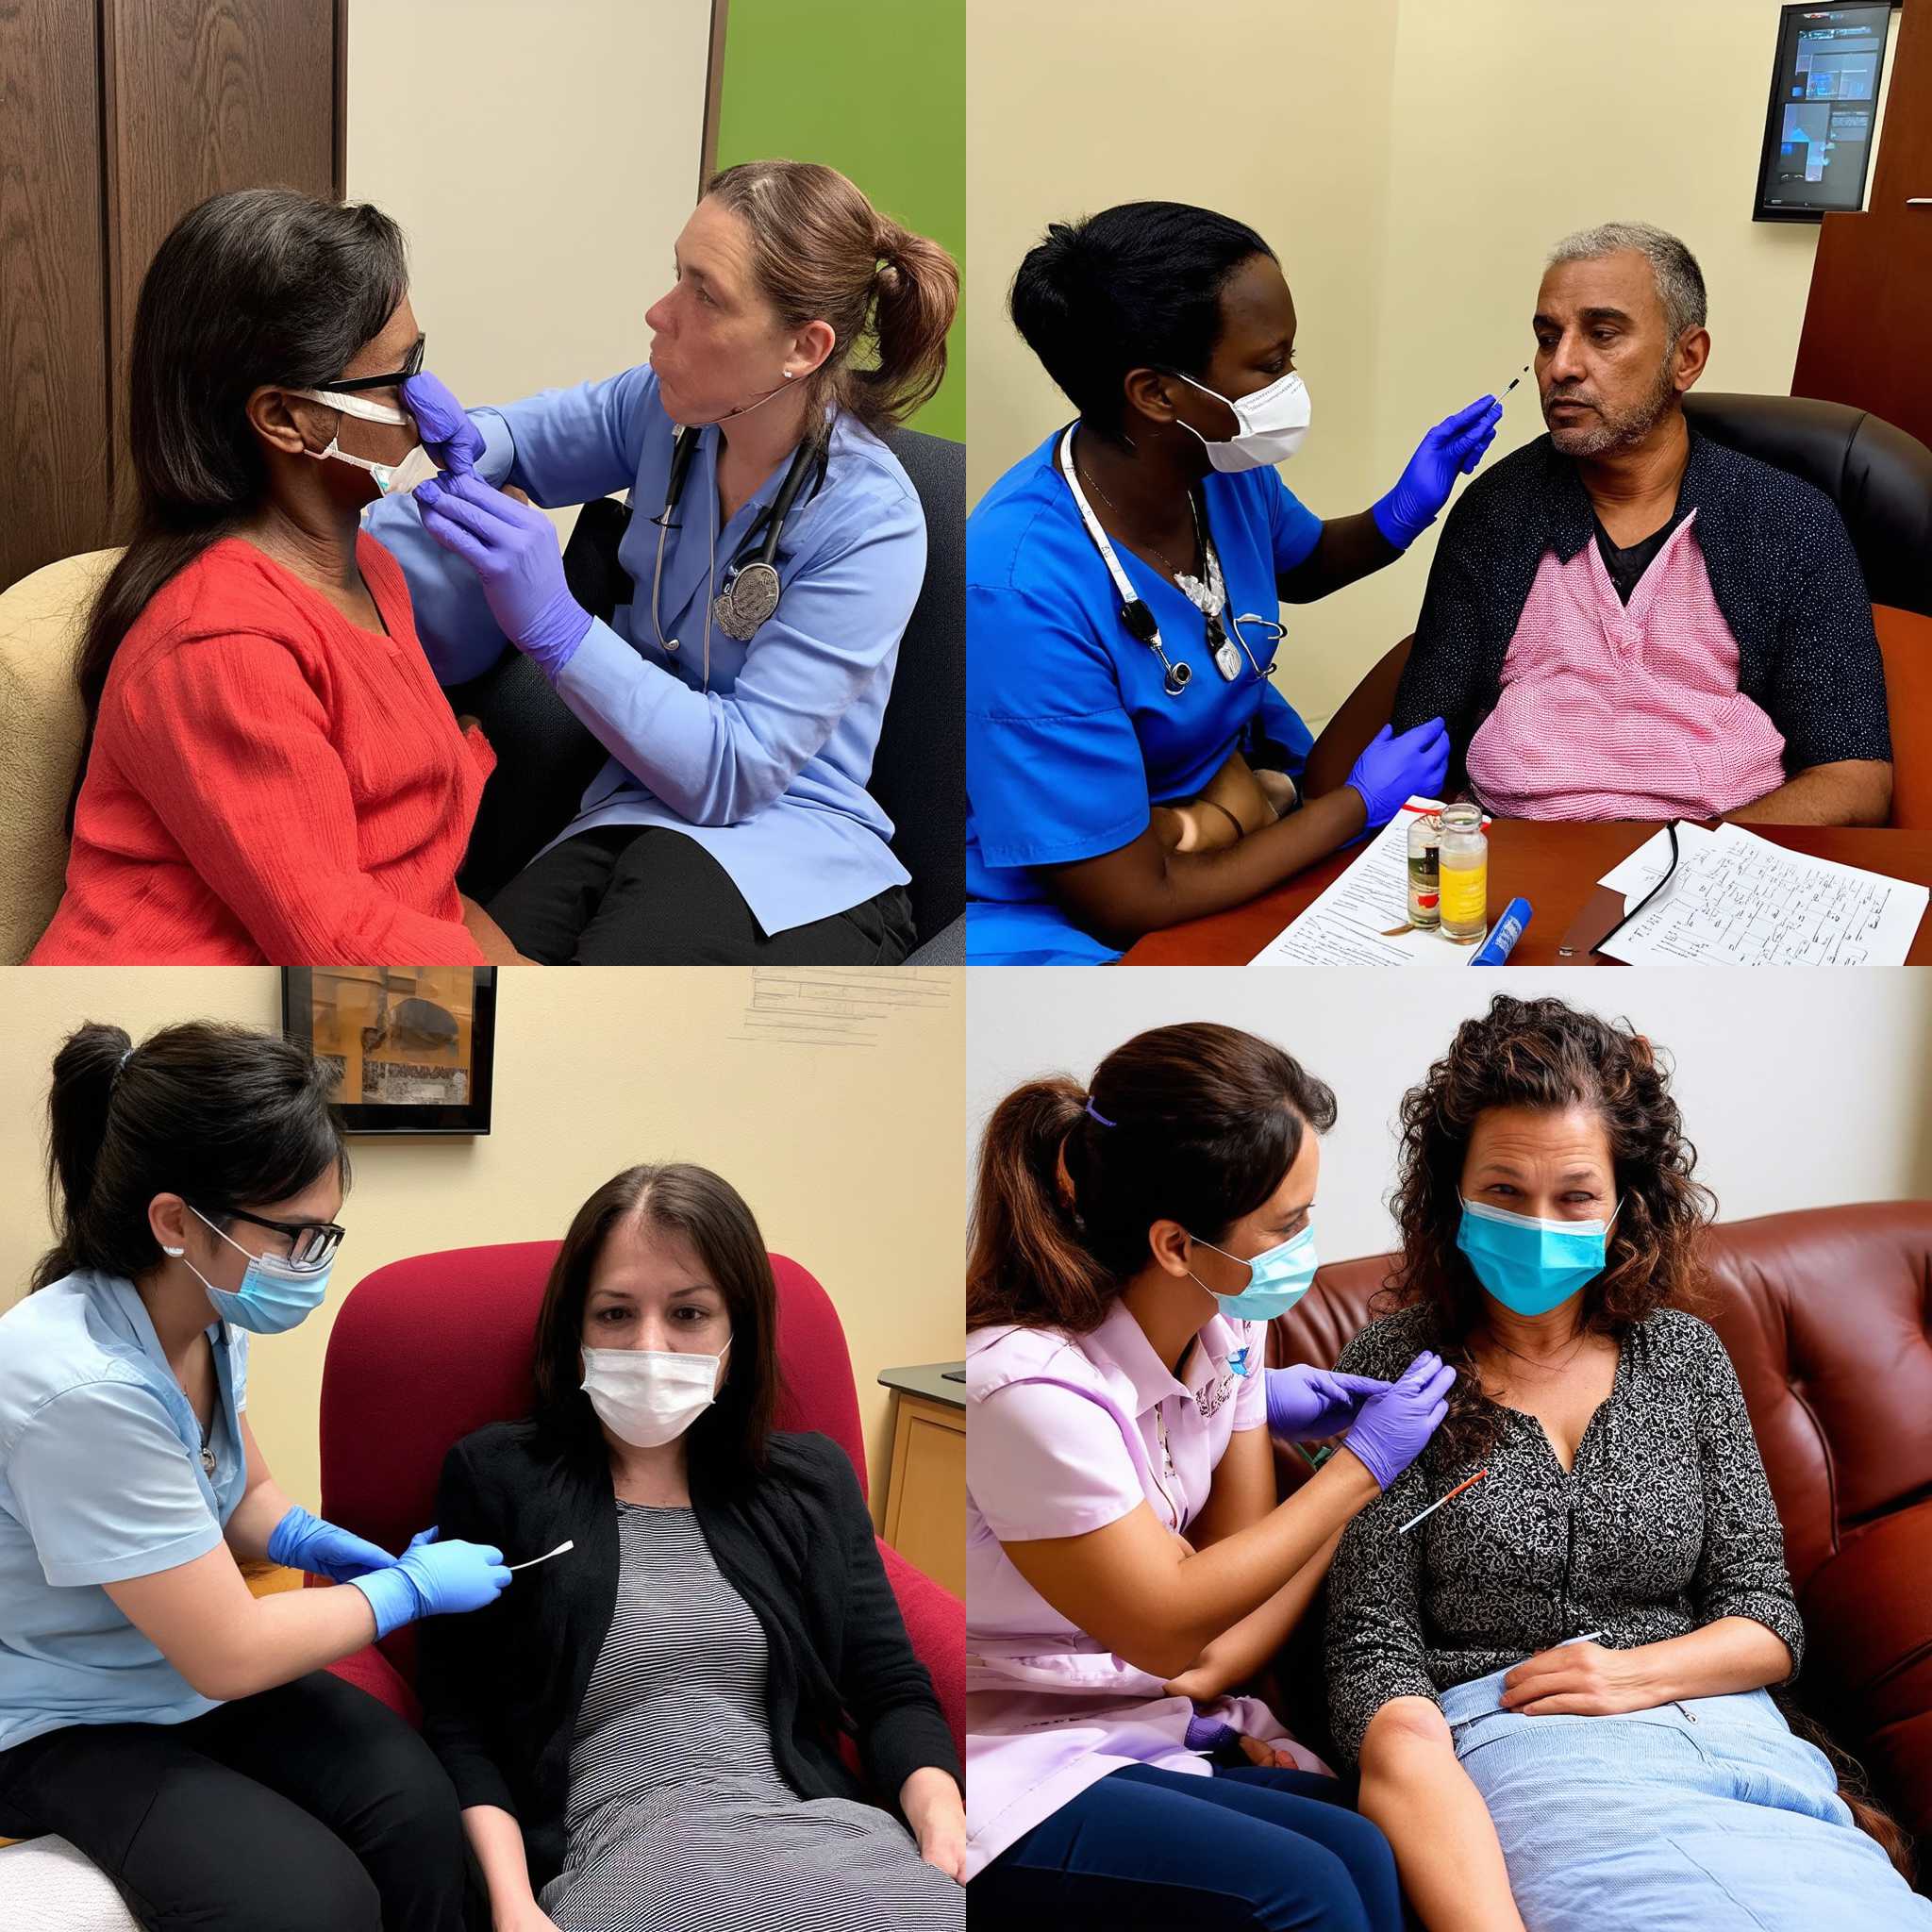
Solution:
(1350, 925)
(1738, 900)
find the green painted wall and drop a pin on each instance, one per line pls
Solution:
(875, 89)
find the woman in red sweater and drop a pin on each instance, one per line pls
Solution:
(270, 772)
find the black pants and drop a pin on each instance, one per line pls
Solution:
(308, 1809)
(645, 895)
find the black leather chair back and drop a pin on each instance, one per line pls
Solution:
(1879, 478)
(919, 771)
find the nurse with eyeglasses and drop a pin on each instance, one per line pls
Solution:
(182, 1733)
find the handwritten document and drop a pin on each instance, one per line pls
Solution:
(1738, 900)
(1355, 921)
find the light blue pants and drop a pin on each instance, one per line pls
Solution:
(1704, 1816)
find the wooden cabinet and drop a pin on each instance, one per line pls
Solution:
(119, 116)
(925, 1492)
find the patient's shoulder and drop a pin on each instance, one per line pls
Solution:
(1683, 1346)
(1386, 1347)
(1772, 495)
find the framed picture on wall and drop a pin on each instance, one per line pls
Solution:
(412, 1047)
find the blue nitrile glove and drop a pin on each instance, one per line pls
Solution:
(433, 1579)
(304, 1541)
(1391, 770)
(443, 425)
(1454, 448)
(1394, 1427)
(1305, 1402)
(513, 548)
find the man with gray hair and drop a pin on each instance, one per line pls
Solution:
(1627, 620)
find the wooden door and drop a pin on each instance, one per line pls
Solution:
(1867, 323)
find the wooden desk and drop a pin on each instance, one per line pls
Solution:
(925, 1492)
(1555, 867)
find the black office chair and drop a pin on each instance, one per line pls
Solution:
(1879, 478)
(545, 757)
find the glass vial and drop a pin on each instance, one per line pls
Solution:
(1425, 881)
(1464, 875)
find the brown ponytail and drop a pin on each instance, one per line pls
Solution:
(821, 252)
(1195, 1124)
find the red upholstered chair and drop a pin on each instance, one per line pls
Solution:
(1827, 1314)
(426, 1350)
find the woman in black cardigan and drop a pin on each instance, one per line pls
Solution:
(646, 1728)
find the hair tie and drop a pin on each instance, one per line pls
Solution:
(1094, 1113)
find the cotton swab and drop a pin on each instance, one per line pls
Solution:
(571, 1545)
(1441, 1500)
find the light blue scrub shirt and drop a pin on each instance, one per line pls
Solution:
(1070, 735)
(100, 1481)
(768, 771)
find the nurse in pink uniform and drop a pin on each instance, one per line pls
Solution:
(1127, 1563)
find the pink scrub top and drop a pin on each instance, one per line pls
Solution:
(1064, 1435)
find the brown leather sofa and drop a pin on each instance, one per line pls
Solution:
(1827, 1316)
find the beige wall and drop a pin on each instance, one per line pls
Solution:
(541, 159)
(848, 1153)
(1412, 162)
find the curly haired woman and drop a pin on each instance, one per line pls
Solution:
(1558, 1686)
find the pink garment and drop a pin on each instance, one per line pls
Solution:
(1065, 1435)
(1615, 711)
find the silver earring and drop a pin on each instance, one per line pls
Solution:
(174, 1253)
(790, 374)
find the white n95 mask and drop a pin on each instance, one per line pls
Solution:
(418, 466)
(1274, 422)
(648, 1396)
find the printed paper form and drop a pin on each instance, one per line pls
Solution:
(1350, 923)
(1738, 900)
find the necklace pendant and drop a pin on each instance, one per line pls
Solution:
(208, 1462)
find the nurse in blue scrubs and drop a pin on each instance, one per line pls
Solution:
(1122, 588)
(776, 551)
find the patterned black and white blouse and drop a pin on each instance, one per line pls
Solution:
(1665, 1525)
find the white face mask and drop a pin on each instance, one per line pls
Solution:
(1273, 424)
(418, 466)
(647, 1396)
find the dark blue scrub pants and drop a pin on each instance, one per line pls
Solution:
(1277, 1851)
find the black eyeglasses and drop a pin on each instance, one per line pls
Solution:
(1671, 828)
(412, 365)
(310, 1243)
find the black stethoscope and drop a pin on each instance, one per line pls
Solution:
(751, 577)
(1140, 620)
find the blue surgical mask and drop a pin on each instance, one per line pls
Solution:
(272, 1296)
(1277, 1278)
(1531, 1265)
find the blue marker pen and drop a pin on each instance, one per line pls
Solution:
(1503, 934)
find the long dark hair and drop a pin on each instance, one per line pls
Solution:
(263, 285)
(821, 252)
(1544, 1055)
(1134, 287)
(1197, 1123)
(728, 1441)
(225, 1116)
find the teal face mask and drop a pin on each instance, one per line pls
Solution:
(1530, 1265)
(1277, 1278)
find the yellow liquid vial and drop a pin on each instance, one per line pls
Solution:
(1465, 900)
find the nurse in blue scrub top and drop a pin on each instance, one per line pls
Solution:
(1130, 764)
(183, 1734)
(776, 551)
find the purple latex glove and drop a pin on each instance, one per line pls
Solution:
(1454, 448)
(513, 549)
(1210, 1732)
(447, 433)
(1390, 769)
(1395, 1425)
(1305, 1402)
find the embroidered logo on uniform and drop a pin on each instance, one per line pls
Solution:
(1217, 1391)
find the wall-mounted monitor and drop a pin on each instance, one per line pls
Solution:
(1824, 110)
